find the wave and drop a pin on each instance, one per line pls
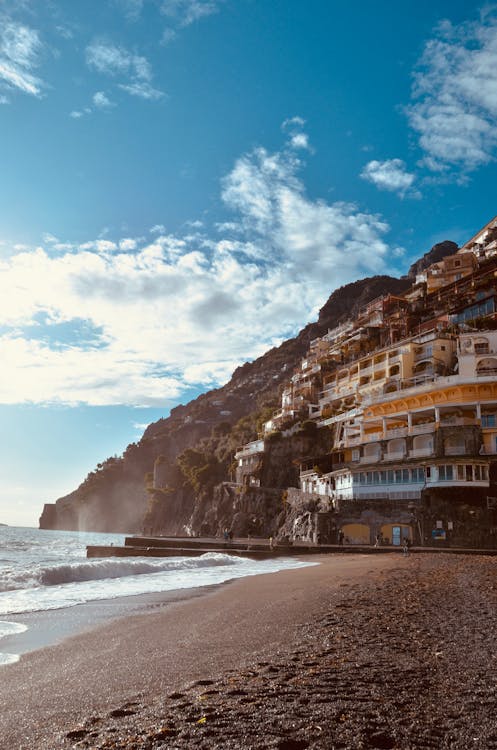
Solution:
(11, 628)
(107, 568)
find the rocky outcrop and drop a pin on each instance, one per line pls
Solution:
(437, 252)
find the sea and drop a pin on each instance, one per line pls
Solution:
(42, 571)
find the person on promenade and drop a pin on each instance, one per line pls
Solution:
(405, 547)
(340, 537)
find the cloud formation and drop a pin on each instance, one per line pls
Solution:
(454, 109)
(165, 313)
(20, 47)
(107, 58)
(390, 174)
(186, 12)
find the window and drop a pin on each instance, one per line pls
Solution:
(488, 420)
(469, 473)
(460, 473)
(445, 473)
(398, 476)
(481, 347)
(418, 475)
(355, 454)
(457, 263)
(405, 476)
(390, 477)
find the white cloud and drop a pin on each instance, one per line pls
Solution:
(454, 109)
(141, 426)
(20, 47)
(127, 244)
(116, 61)
(391, 175)
(142, 89)
(186, 12)
(107, 58)
(175, 311)
(101, 101)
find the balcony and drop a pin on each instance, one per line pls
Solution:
(372, 437)
(394, 456)
(420, 452)
(257, 446)
(373, 459)
(351, 441)
(397, 432)
(458, 450)
(487, 450)
(422, 429)
(458, 422)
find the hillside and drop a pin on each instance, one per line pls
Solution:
(206, 431)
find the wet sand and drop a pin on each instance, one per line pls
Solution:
(358, 652)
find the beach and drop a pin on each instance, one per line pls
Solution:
(357, 652)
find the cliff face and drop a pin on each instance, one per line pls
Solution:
(437, 252)
(114, 496)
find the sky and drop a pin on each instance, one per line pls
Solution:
(183, 183)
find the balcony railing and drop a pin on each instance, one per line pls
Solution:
(353, 441)
(372, 437)
(422, 429)
(459, 450)
(406, 495)
(257, 446)
(394, 456)
(397, 432)
(370, 459)
(421, 452)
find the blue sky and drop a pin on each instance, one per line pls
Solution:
(184, 182)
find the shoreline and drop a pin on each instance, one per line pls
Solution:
(49, 627)
(359, 652)
(143, 655)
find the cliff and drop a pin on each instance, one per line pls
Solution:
(193, 448)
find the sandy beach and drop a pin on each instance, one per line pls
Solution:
(357, 652)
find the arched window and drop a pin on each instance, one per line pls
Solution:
(487, 366)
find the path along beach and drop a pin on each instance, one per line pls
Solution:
(357, 652)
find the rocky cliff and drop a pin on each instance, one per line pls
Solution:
(193, 448)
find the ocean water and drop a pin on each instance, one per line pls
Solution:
(48, 570)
